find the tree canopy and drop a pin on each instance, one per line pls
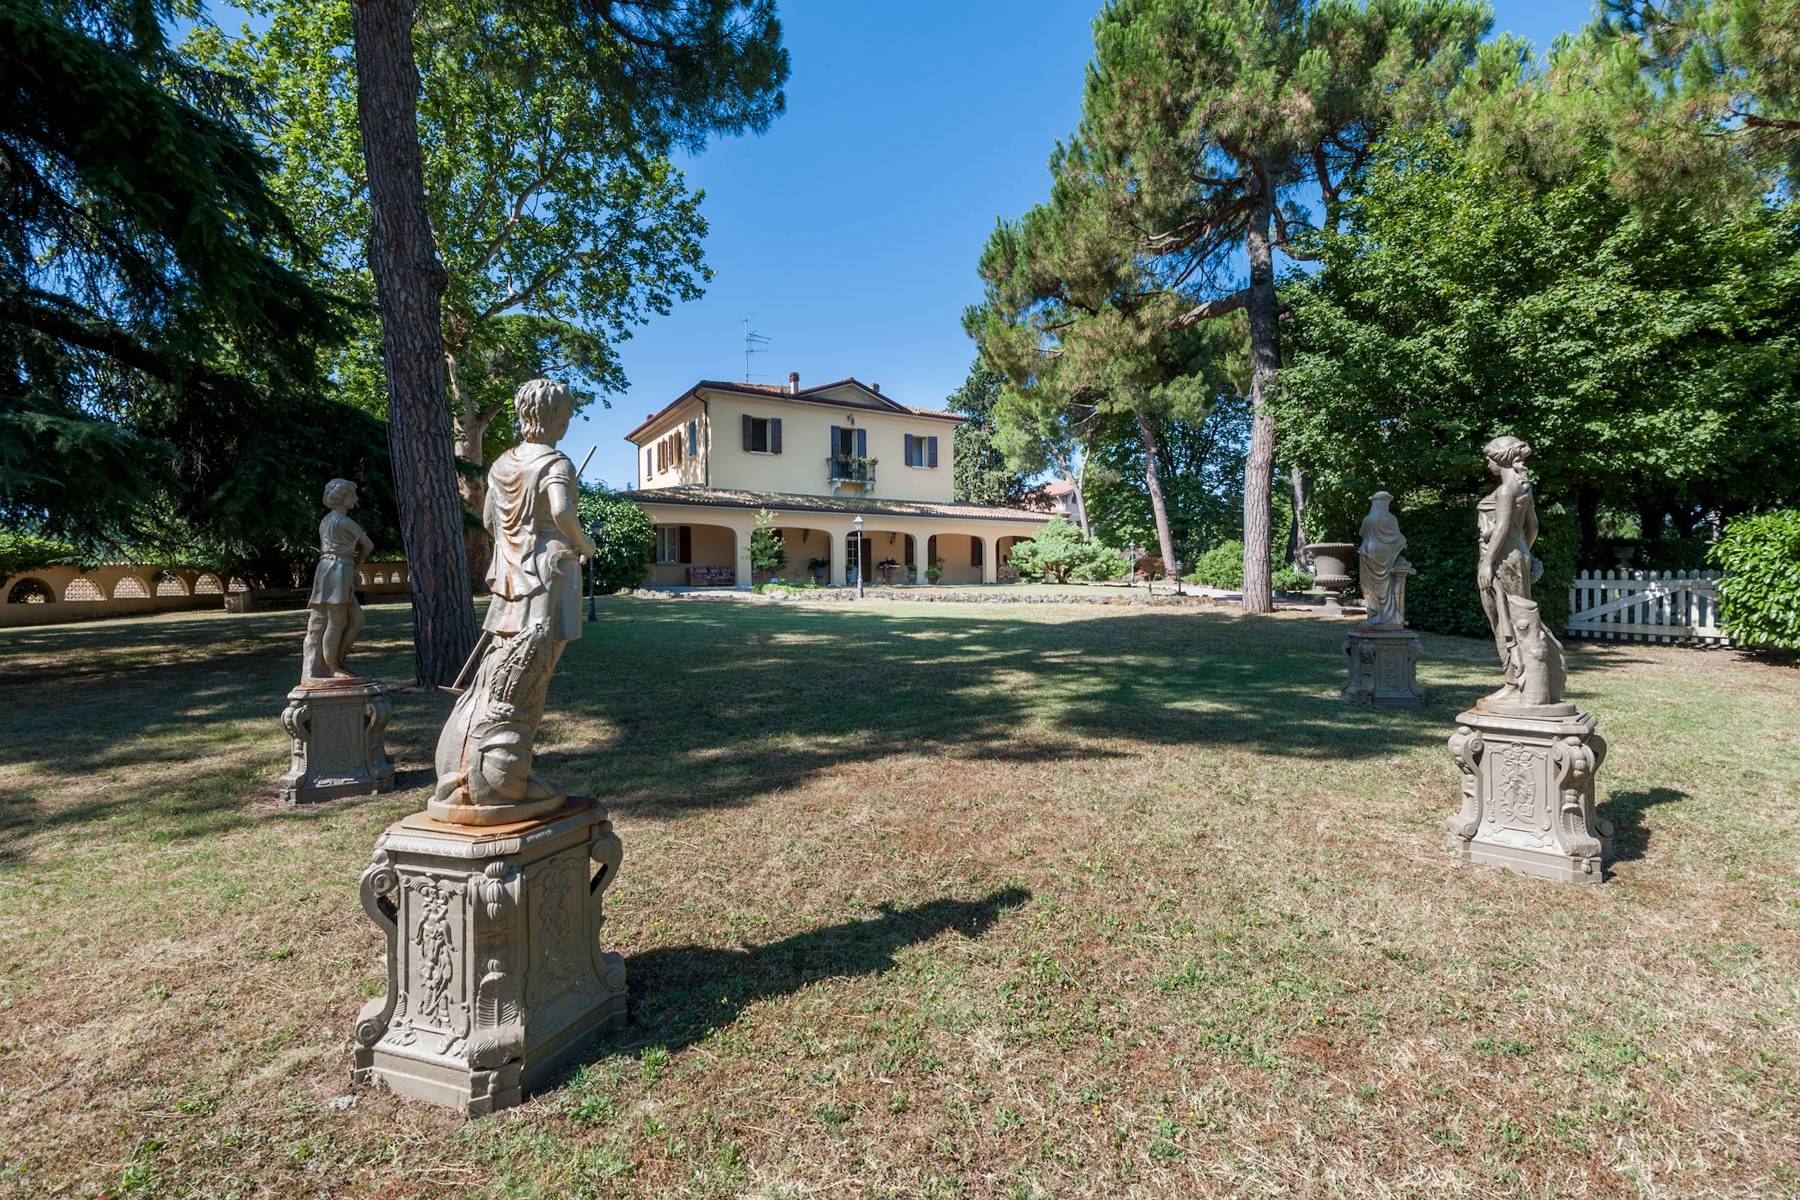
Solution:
(160, 381)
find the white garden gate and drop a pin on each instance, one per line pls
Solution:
(1651, 606)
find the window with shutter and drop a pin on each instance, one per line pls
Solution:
(775, 435)
(931, 451)
(862, 443)
(693, 438)
(911, 458)
(749, 426)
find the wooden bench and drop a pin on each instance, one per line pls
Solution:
(711, 576)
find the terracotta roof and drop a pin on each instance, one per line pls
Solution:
(811, 395)
(1058, 487)
(849, 505)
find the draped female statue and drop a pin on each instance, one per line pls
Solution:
(1381, 570)
(1530, 658)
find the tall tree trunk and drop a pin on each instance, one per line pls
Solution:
(1302, 487)
(1080, 493)
(409, 284)
(1147, 432)
(1265, 357)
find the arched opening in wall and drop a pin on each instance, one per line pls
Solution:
(30, 591)
(82, 590)
(808, 554)
(694, 556)
(1004, 570)
(130, 587)
(960, 556)
(888, 557)
(237, 585)
(170, 584)
(207, 585)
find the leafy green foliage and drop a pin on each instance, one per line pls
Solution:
(157, 345)
(982, 475)
(1650, 357)
(558, 219)
(625, 541)
(1201, 464)
(1759, 596)
(768, 554)
(1221, 567)
(1059, 554)
(1442, 545)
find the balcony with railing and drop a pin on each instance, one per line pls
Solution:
(841, 469)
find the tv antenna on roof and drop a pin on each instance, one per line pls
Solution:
(753, 344)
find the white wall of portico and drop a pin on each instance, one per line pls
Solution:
(840, 525)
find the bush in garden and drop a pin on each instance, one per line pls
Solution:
(1442, 545)
(1759, 597)
(1059, 553)
(1220, 567)
(626, 539)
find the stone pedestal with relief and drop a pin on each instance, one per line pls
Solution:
(495, 974)
(337, 732)
(1528, 776)
(1383, 668)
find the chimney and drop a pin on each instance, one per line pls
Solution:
(793, 386)
(876, 388)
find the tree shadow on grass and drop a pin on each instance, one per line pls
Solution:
(1631, 837)
(680, 994)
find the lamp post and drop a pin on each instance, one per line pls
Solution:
(594, 531)
(857, 525)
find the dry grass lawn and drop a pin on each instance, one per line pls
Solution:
(921, 900)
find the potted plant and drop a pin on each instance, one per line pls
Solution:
(935, 571)
(887, 567)
(819, 567)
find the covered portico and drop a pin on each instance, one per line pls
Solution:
(970, 539)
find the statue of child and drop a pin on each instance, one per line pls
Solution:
(336, 618)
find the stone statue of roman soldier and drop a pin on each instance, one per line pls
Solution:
(1381, 570)
(485, 751)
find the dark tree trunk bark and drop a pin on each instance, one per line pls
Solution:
(1302, 487)
(409, 285)
(1265, 357)
(1160, 511)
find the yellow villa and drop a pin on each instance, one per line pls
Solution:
(816, 458)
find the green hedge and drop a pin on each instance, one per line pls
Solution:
(1759, 597)
(1441, 545)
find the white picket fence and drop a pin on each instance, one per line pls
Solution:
(1652, 606)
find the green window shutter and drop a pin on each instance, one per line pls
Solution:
(746, 431)
(862, 443)
(931, 451)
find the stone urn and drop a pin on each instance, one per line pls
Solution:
(1332, 564)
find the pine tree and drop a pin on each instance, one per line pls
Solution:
(1203, 118)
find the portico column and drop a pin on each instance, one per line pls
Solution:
(840, 556)
(990, 556)
(745, 576)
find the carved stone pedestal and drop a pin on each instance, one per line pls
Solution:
(495, 973)
(1528, 791)
(1382, 663)
(338, 749)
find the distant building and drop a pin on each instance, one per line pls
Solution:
(816, 458)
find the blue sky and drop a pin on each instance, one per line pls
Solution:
(849, 232)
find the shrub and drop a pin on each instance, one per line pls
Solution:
(768, 553)
(1059, 553)
(1759, 597)
(626, 539)
(1289, 578)
(1442, 546)
(1221, 567)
